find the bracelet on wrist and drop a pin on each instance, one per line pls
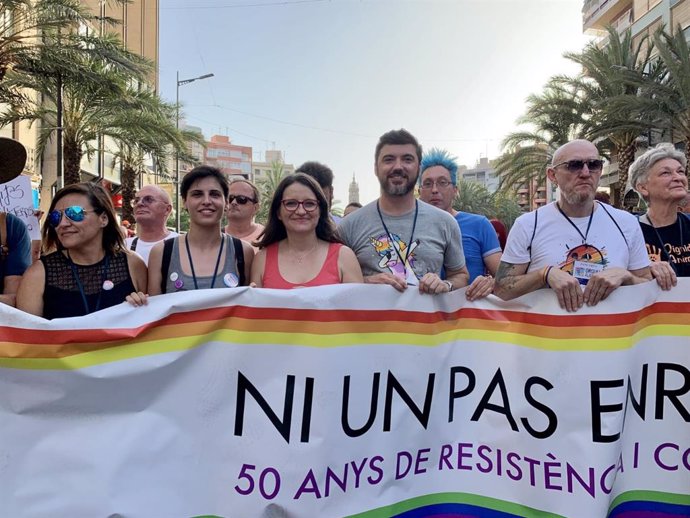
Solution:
(449, 284)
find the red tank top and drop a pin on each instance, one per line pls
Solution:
(329, 273)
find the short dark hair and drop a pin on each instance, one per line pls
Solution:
(318, 171)
(354, 204)
(275, 229)
(204, 171)
(398, 138)
(102, 204)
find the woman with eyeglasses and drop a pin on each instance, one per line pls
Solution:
(659, 175)
(299, 247)
(90, 269)
(205, 257)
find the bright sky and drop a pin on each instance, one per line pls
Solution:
(323, 79)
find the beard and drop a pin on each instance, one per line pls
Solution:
(397, 190)
(577, 198)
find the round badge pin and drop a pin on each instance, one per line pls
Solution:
(230, 280)
(174, 276)
(108, 285)
(179, 283)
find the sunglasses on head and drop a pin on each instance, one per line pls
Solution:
(74, 213)
(307, 205)
(241, 200)
(575, 166)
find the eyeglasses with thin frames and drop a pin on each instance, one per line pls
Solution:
(144, 200)
(441, 183)
(307, 205)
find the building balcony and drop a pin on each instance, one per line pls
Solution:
(597, 14)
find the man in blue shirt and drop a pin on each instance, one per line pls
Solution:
(438, 186)
(15, 248)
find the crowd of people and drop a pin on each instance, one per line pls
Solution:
(578, 246)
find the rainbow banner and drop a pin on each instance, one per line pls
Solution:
(349, 400)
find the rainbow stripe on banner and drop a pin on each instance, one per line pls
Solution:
(341, 401)
(79, 348)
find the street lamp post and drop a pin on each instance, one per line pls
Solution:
(180, 82)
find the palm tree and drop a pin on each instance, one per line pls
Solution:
(603, 82)
(39, 37)
(473, 197)
(556, 116)
(94, 96)
(146, 128)
(669, 99)
(267, 186)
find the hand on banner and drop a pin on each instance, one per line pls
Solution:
(567, 289)
(387, 278)
(664, 274)
(432, 284)
(137, 298)
(481, 287)
(601, 284)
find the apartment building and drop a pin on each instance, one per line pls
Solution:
(231, 159)
(260, 169)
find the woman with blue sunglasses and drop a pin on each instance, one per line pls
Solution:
(88, 267)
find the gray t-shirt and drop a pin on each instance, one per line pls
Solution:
(228, 276)
(436, 242)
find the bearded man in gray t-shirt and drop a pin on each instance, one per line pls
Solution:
(399, 240)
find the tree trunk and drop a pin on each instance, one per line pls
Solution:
(72, 156)
(129, 180)
(625, 156)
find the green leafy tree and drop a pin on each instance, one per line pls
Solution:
(553, 117)
(95, 96)
(267, 186)
(602, 83)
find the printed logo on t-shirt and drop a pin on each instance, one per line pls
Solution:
(390, 252)
(583, 261)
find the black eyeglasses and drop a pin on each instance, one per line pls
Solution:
(241, 200)
(575, 166)
(307, 205)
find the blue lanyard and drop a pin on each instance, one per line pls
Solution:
(75, 274)
(191, 262)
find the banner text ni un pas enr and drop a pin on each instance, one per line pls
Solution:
(349, 401)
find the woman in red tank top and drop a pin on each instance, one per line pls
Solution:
(299, 247)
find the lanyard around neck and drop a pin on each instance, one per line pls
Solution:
(391, 240)
(77, 279)
(191, 262)
(589, 223)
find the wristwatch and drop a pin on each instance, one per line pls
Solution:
(449, 284)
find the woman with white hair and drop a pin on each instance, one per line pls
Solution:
(659, 176)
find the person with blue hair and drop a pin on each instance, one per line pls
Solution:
(438, 187)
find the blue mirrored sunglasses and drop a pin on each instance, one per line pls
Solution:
(73, 213)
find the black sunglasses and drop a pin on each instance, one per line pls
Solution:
(241, 200)
(575, 166)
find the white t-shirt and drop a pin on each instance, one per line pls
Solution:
(557, 243)
(143, 248)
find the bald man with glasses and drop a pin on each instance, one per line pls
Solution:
(243, 204)
(152, 206)
(576, 246)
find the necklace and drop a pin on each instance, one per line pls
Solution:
(191, 262)
(396, 247)
(300, 258)
(82, 292)
(589, 223)
(661, 241)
